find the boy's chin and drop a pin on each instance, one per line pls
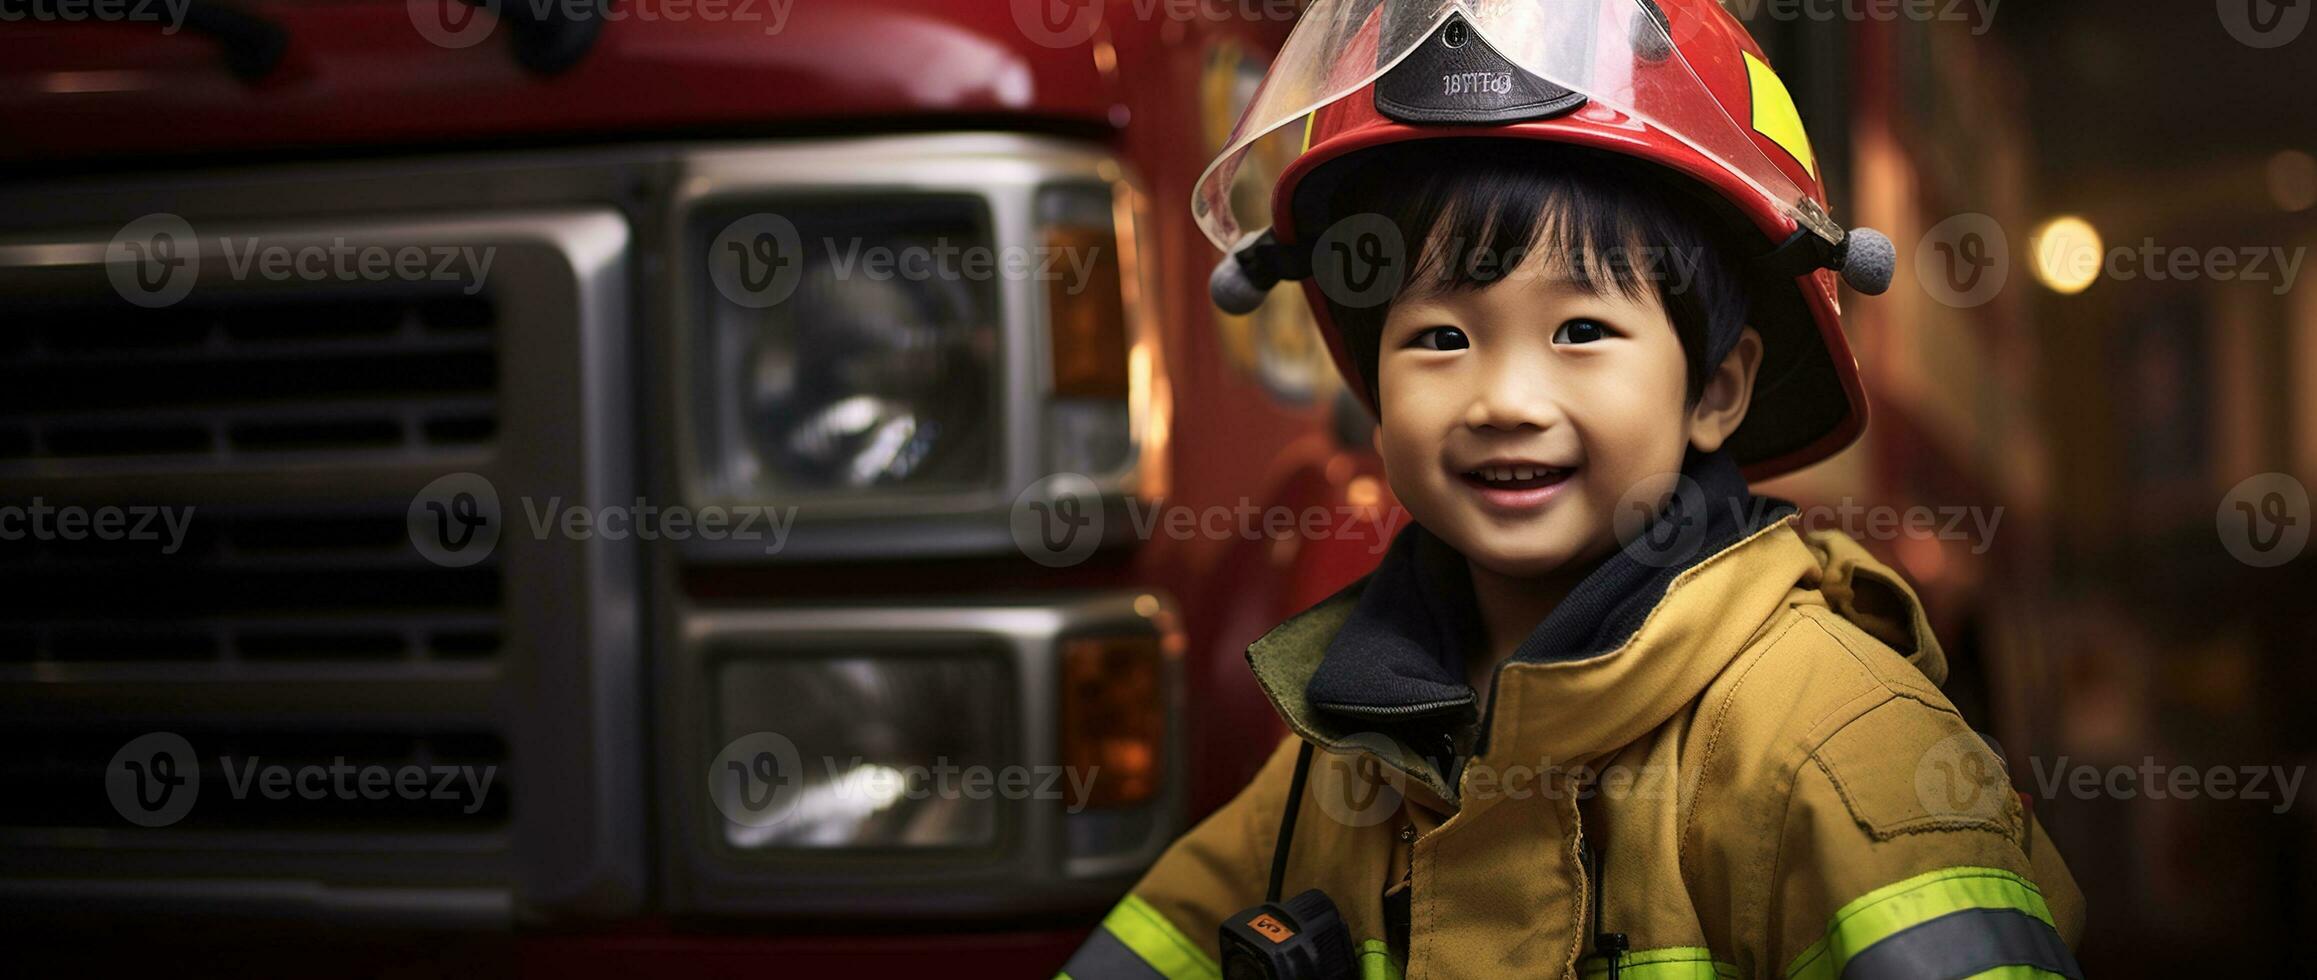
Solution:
(1517, 559)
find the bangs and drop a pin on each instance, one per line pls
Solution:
(1476, 213)
(1476, 229)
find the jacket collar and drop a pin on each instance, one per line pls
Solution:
(1399, 658)
(1594, 677)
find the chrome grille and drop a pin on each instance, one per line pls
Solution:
(218, 378)
(295, 622)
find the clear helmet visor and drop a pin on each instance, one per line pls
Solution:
(1614, 52)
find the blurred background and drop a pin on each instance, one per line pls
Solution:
(490, 412)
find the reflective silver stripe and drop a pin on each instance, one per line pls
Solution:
(1105, 957)
(1962, 944)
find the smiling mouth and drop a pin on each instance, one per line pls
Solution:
(1516, 477)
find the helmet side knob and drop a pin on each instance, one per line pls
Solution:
(1234, 291)
(1868, 261)
(1244, 277)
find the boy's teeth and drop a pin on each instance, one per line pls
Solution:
(1507, 474)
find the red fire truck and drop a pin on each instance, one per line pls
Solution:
(317, 281)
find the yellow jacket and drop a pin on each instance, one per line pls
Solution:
(1772, 780)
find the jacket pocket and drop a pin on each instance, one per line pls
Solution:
(1909, 767)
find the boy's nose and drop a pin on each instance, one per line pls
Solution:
(1512, 398)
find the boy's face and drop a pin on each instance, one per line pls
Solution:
(1586, 391)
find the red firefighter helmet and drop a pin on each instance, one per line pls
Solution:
(1677, 85)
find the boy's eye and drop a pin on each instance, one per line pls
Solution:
(1581, 332)
(1440, 338)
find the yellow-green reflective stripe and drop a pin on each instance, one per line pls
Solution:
(1158, 942)
(1376, 961)
(2016, 972)
(1876, 915)
(1663, 963)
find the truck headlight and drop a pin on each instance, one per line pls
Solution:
(878, 371)
(883, 743)
(898, 337)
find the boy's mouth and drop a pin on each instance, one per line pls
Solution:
(1516, 476)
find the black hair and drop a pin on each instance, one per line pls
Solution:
(1475, 210)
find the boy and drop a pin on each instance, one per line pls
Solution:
(1599, 711)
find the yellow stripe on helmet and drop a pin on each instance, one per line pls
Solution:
(1775, 115)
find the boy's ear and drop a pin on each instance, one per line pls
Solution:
(1728, 392)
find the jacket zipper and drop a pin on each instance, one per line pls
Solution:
(1441, 750)
(1611, 945)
